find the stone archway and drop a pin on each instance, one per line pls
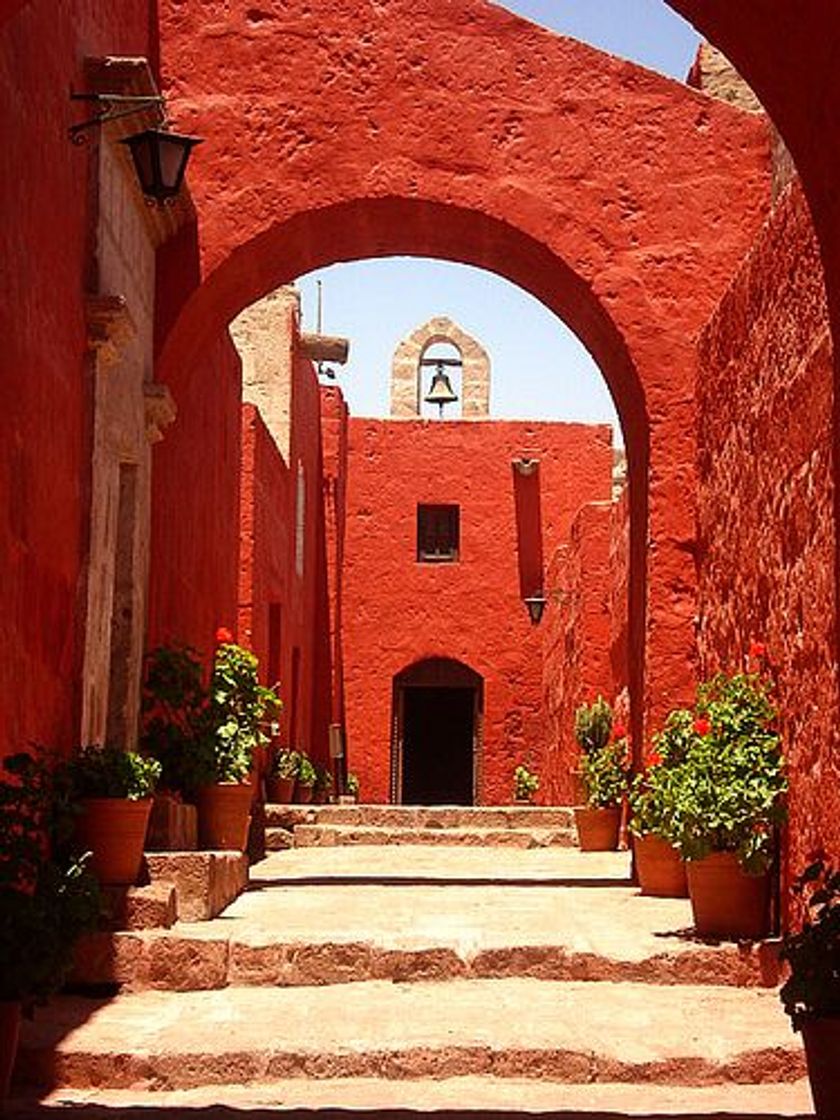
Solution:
(601, 215)
(405, 382)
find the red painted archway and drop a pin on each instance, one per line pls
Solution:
(622, 200)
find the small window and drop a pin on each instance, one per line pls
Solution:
(437, 534)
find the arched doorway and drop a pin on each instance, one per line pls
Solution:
(436, 742)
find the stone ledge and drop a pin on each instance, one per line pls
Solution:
(205, 882)
(150, 907)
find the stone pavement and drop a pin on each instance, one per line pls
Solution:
(430, 979)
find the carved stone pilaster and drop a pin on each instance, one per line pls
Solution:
(161, 410)
(110, 328)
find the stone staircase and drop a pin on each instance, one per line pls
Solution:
(449, 980)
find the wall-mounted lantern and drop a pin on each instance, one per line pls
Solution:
(160, 156)
(535, 605)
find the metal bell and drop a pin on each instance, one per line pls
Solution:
(440, 391)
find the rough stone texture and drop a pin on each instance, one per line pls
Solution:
(576, 641)
(455, 1098)
(133, 908)
(470, 611)
(166, 1040)
(422, 816)
(330, 836)
(766, 530)
(353, 914)
(406, 382)
(713, 73)
(570, 194)
(205, 882)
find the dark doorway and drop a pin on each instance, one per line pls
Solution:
(437, 707)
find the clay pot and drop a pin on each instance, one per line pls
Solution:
(224, 812)
(9, 1034)
(280, 790)
(303, 794)
(822, 1052)
(660, 869)
(113, 830)
(727, 902)
(597, 828)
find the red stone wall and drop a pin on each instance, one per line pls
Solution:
(766, 530)
(195, 507)
(45, 372)
(397, 611)
(618, 584)
(269, 580)
(577, 631)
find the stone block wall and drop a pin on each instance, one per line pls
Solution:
(767, 547)
(577, 641)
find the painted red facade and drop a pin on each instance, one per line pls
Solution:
(494, 151)
(398, 611)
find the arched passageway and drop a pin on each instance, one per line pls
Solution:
(591, 203)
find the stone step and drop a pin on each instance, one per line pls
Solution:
(333, 835)
(422, 816)
(563, 1032)
(359, 914)
(455, 1098)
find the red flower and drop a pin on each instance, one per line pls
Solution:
(654, 759)
(223, 636)
(757, 649)
(619, 731)
(702, 726)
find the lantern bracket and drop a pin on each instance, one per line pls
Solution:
(114, 106)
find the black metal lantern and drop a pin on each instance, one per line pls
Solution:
(536, 606)
(160, 160)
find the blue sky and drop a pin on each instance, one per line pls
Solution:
(539, 370)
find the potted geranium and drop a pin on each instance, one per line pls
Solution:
(727, 799)
(48, 898)
(811, 994)
(306, 779)
(237, 709)
(282, 776)
(525, 785)
(176, 726)
(113, 788)
(604, 775)
(659, 866)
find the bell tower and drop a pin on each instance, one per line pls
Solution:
(409, 362)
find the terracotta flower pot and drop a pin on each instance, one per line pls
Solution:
(822, 1052)
(303, 794)
(224, 812)
(661, 870)
(280, 790)
(113, 830)
(727, 902)
(597, 828)
(9, 1034)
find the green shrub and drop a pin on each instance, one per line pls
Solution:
(525, 783)
(176, 727)
(111, 772)
(286, 764)
(727, 792)
(812, 991)
(603, 773)
(593, 725)
(307, 775)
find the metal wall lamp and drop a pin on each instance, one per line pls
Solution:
(160, 156)
(535, 605)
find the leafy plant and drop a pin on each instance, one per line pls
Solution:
(525, 783)
(307, 775)
(238, 707)
(593, 725)
(352, 785)
(812, 990)
(727, 792)
(652, 804)
(177, 727)
(323, 779)
(47, 896)
(286, 764)
(603, 773)
(111, 772)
